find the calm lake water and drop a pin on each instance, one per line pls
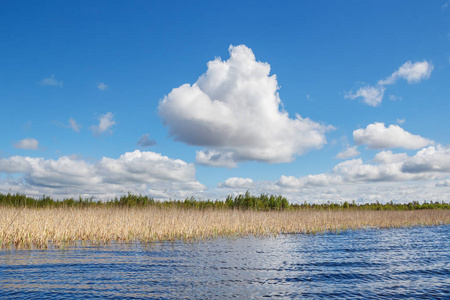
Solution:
(411, 263)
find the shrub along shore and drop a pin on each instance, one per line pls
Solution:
(28, 222)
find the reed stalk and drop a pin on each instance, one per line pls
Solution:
(31, 227)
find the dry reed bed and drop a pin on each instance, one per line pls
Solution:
(58, 226)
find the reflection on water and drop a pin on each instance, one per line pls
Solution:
(370, 264)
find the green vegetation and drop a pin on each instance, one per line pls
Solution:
(245, 201)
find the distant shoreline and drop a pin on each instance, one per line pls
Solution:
(263, 202)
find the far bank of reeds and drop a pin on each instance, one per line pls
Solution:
(42, 227)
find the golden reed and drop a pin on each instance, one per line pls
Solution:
(28, 227)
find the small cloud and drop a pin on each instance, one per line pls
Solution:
(102, 87)
(401, 121)
(237, 183)
(387, 157)
(51, 81)
(445, 6)
(145, 141)
(214, 158)
(348, 153)
(27, 144)
(411, 72)
(105, 123)
(378, 136)
(371, 95)
(73, 124)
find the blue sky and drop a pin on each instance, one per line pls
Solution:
(314, 100)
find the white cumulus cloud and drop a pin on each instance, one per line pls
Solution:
(428, 164)
(309, 180)
(144, 167)
(356, 171)
(65, 171)
(235, 108)
(377, 136)
(411, 72)
(372, 96)
(137, 172)
(387, 157)
(106, 121)
(348, 153)
(430, 159)
(27, 144)
(237, 183)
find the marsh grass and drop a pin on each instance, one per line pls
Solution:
(42, 227)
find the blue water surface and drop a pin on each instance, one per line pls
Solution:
(407, 263)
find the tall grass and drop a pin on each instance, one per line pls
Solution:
(41, 227)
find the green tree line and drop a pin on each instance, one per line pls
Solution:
(263, 202)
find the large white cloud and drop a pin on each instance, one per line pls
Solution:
(234, 110)
(356, 171)
(139, 172)
(377, 136)
(431, 159)
(144, 167)
(65, 171)
(427, 164)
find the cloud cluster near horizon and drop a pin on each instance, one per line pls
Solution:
(429, 163)
(137, 172)
(234, 111)
(377, 136)
(411, 72)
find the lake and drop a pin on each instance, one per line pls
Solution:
(406, 263)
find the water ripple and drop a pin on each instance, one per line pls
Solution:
(409, 263)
